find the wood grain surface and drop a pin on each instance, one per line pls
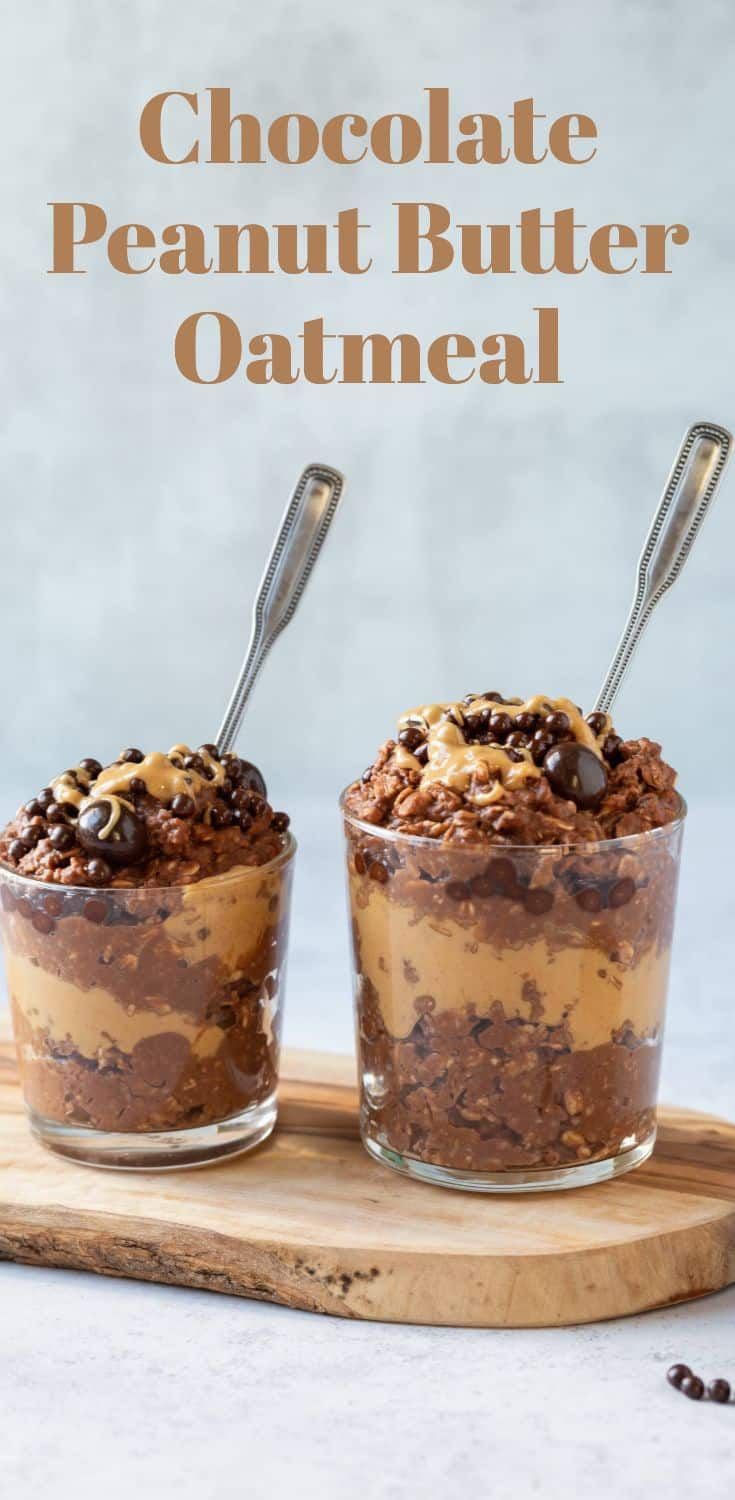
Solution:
(308, 1220)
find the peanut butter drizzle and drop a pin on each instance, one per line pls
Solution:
(458, 764)
(164, 777)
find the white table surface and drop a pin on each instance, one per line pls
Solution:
(119, 1389)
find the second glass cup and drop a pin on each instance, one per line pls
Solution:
(510, 1004)
(147, 1020)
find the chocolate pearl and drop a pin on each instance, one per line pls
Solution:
(719, 1390)
(527, 722)
(378, 872)
(125, 845)
(209, 750)
(55, 813)
(24, 908)
(517, 740)
(95, 911)
(251, 778)
(138, 786)
(69, 809)
(483, 886)
(589, 898)
(576, 774)
(33, 808)
(45, 798)
(280, 822)
(493, 697)
(676, 1373)
(131, 755)
(193, 763)
(597, 722)
(458, 890)
(366, 775)
(242, 818)
(54, 905)
(557, 724)
(500, 725)
(360, 863)
(248, 802)
(502, 873)
(538, 902)
(422, 754)
(30, 835)
(411, 737)
(91, 766)
(540, 747)
(17, 850)
(62, 838)
(98, 871)
(221, 816)
(611, 749)
(621, 892)
(514, 755)
(42, 922)
(183, 806)
(692, 1387)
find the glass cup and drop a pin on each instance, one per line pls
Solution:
(147, 1021)
(510, 1004)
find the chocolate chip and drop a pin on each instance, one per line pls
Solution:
(597, 722)
(62, 838)
(676, 1373)
(540, 747)
(621, 892)
(538, 901)
(98, 871)
(500, 725)
(576, 774)
(611, 749)
(557, 724)
(126, 844)
(42, 922)
(411, 737)
(131, 755)
(91, 766)
(589, 898)
(183, 806)
(692, 1387)
(458, 890)
(95, 911)
(719, 1390)
(17, 850)
(280, 822)
(378, 872)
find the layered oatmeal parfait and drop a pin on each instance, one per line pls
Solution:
(145, 909)
(512, 875)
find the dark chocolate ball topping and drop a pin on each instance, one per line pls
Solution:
(576, 774)
(127, 841)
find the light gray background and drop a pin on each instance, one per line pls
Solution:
(488, 538)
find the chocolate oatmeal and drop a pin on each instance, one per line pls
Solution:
(512, 872)
(144, 915)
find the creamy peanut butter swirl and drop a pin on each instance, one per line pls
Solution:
(486, 769)
(165, 777)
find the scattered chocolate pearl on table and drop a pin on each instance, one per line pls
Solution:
(719, 1391)
(693, 1387)
(676, 1373)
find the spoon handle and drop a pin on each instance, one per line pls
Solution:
(690, 487)
(305, 524)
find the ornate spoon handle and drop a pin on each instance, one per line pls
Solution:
(690, 488)
(305, 524)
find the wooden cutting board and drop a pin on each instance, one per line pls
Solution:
(308, 1220)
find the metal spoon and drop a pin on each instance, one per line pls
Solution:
(690, 487)
(306, 521)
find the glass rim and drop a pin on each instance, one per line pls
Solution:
(236, 873)
(393, 835)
